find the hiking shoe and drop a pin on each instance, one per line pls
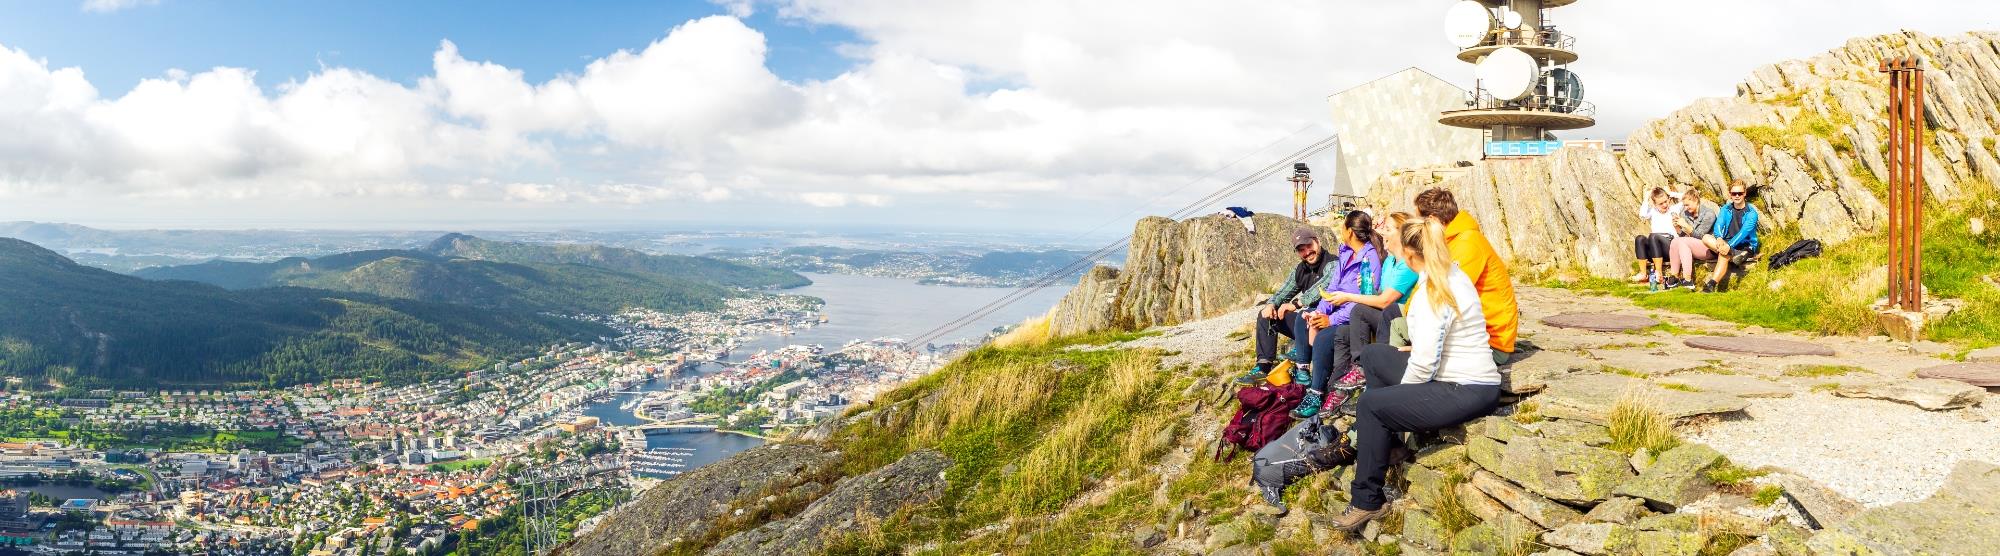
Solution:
(1708, 287)
(1309, 406)
(1671, 282)
(1293, 353)
(1354, 518)
(1255, 376)
(1333, 400)
(1302, 374)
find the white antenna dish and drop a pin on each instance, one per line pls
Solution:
(1467, 24)
(1509, 18)
(1508, 73)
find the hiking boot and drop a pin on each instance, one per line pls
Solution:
(1302, 374)
(1256, 375)
(1354, 518)
(1708, 287)
(1334, 398)
(1309, 406)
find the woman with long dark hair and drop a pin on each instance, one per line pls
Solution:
(1357, 270)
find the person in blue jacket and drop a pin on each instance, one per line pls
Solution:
(1734, 238)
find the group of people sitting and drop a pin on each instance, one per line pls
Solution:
(1685, 232)
(1419, 309)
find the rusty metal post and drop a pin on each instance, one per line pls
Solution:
(1906, 181)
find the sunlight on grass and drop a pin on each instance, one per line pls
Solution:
(1636, 423)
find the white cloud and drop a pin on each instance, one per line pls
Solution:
(962, 106)
(108, 6)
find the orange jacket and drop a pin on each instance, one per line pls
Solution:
(1475, 257)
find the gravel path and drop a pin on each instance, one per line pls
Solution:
(1201, 342)
(1876, 452)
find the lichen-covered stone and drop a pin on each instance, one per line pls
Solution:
(914, 480)
(1675, 479)
(1420, 529)
(1669, 543)
(688, 507)
(1618, 509)
(1563, 471)
(1575, 431)
(1426, 485)
(1485, 452)
(1593, 539)
(1590, 397)
(1442, 456)
(1544, 512)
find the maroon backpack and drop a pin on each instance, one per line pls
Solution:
(1263, 412)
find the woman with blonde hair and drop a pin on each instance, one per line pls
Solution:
(1370, 315)
(1448, 376)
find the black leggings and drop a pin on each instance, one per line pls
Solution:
(1334, 349)
(1651, 246)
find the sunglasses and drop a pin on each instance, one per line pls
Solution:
(1737, 193)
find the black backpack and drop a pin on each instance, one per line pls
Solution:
(1311, 446)
(1800, 250)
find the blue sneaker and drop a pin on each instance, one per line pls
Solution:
(1302, 374)
(1309, 406)
(1293, 353)
(1255, 376)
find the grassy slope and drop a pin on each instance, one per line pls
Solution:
(1055, 451)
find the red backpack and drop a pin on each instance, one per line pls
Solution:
(1263, 413)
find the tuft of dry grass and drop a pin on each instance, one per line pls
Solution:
(1635, 423)
(1030, 333)
(994, 396)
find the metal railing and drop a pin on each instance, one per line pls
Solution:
(1482, 100)
(1547, 37)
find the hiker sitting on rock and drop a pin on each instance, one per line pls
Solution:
(1651, 249)
(1279, 316)
(1357, 270)
(1735, 235)
(1450, 378)
(1476, 257)
(1692, 221)
(1369, 316)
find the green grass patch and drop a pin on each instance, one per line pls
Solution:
(1679, 386)
(1729, 476)
(1767, 495)
(1621, 371)
(1821, 371)
(1528, 412)
(1636, 423)
(1826, 387)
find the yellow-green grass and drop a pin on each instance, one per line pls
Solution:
(1635, 423)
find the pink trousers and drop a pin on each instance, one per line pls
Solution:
(1682, 254)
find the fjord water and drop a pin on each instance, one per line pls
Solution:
(858, 308)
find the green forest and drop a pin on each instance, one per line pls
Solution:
(67, 325)
(617, 258)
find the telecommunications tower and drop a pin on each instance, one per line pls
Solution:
(1524, 88)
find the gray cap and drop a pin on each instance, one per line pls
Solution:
(1304, 236)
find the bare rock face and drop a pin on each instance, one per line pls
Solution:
(1182, 271)
(916, 479)
(688, 506)
(1806, 134)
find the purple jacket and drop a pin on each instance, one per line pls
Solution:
(1351, 269)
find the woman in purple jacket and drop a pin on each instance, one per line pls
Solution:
(1357, 270)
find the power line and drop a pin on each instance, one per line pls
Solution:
(1092, 258)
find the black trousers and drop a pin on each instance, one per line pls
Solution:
(1268, 331)
(1383, 364)
(1401, 408)
(1652, 246)
(1334, 348)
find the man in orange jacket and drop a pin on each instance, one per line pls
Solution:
(1476, 258)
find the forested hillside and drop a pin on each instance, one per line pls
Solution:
(616, 258)
(71, 325)
(421, 276)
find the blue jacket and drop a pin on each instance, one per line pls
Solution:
(1745, 236)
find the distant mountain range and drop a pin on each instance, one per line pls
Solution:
(465, 270)
(72, 325)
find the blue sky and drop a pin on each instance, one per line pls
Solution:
(1046, 115)
(394, 40)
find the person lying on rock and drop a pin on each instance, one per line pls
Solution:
(1449, 378)
(1651, 249)
(1692, 222)
(1357, 269)
(1735, 236)
(1476, 257)
(1280, 315)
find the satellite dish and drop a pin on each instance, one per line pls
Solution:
(1508, 73)
(1467, 24)
(1568, 89)
(1509, 18)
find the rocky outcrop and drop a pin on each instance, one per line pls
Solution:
(918, 478)
(1181, 271)
(1808, 134)
(1962, 518)
(688, 507)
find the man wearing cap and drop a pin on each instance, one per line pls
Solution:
(1279, 315)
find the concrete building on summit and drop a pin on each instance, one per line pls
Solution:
(1392, 123)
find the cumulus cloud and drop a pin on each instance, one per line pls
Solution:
(977, 105)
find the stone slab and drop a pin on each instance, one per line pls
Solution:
(1600, 322)
(1962, 518)
(1734, 385)
(1988, 355)
(1929, 393)
(1823, 507)
(1590, 397)
(1983, 375)
(1767, 347)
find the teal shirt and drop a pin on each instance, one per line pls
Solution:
(1398, 276)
